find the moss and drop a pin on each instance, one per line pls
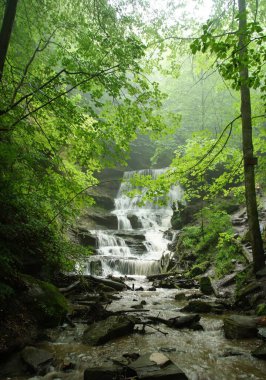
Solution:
(199, 269)
(48, 305)
(261, 309)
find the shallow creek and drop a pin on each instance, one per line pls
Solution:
(200, 354)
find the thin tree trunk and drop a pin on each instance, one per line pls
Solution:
(249, 159)
(6, 30)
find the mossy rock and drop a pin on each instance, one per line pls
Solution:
(246, 290)
(261, 309)
(199, 269)
(46, 303)
(206, 286)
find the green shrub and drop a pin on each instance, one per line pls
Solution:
(261, 309)
(211, 242)
(227, 253)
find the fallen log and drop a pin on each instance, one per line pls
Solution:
(111, 283)
(129, 311)
(69, 288)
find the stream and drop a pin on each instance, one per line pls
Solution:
(202, 355)
(135, 250)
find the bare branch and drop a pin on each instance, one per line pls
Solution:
(37, 50)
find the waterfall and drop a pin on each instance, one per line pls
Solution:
(140, 241)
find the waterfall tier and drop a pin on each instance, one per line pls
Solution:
(137, 246)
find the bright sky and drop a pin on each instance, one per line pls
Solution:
(196, 9)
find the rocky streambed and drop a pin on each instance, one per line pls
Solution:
(143, 329)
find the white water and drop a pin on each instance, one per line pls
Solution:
(143, 229)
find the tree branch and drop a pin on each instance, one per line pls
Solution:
(37, 50)
(108, 71)
(77, 194)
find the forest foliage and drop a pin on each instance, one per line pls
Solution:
(74, 95)
(82, 79)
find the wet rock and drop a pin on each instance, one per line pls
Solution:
(68, 364)
(206, 285)
(110, 328)
(109, 372)
(180, 296)
(148, 367)
(152, 289)
(140, 289)
(179, 322)
(229, 352)
(198, 306)
(84, 237)
(240, 327)
(131, 356)
(104, 219)
(167, 349)
(194, 296)
(37, 359)
(262, 333)
(175, 283)
(185, 321)
(160, 359)
(260, 352)
(137, 307)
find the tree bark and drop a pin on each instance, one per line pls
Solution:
(249, 159)
(6, 30)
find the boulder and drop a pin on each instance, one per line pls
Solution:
(110, 328)
(206, 285)
(240, 327)
(262, 333)
(156, 366)
(181, 296)
(198, 306)
(37, 359)
(85, 238)
(105, 219)
(46, 303)
(186, 321)
(260, 352)
(109, 372)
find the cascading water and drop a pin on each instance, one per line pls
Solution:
(137, 246)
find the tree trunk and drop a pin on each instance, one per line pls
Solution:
(6, 29)
(249, 159)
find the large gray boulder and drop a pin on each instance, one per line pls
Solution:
(199, 306)
(240, 327)
(110, 328)
(156, 366)
(36, 359)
